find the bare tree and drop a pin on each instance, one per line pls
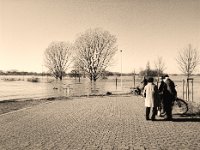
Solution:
(147, 72)
(160, 66)
(148, 69)
(188, 59)
(95, 50)
(57, 58)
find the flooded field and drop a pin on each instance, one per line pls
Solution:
(17, 87)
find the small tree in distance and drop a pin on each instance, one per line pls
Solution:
(188, 59)
(57, 58)
(160, 66)
(148, 71)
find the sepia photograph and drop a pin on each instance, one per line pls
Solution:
(99, 74)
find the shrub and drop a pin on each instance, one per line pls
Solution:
(152, 73)
(12, 79)
(33, 79)
(108, 93)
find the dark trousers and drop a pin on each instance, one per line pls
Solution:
(167, 106)
(160, 103)
(154, 112)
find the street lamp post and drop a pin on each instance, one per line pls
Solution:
(134, 78)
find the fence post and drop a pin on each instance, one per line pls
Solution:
(183, 88)
(134, 78)
(188, 89)
(186, 93)
(192, 90)
(116, 83)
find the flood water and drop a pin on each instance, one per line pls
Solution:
(17, 87)
(20, 88)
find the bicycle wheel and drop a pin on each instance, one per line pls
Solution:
(180, 107)
(136, 92)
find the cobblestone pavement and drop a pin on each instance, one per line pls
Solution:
(102, 123)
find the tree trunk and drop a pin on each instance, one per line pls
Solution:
(90, 78)
(60, 77)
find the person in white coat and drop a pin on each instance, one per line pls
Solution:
(151, 99)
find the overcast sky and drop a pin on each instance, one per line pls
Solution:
(145, 29)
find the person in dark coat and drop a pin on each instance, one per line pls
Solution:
(160, 91)
(169, 96)
(144, 82)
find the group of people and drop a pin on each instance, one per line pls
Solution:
(159, 99)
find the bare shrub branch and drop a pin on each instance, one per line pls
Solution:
(188, 59)
(57, 58)
(160, 66)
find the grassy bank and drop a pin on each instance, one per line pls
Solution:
(8, 106)
(13, 105)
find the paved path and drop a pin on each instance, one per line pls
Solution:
(105, 123)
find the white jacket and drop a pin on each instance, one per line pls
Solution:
(151, 92)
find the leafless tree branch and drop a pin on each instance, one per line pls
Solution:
(188, 59)
(160, 65)
(95, 50)
(57, 58)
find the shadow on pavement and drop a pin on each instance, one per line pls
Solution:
(182, 118)
(186, 120)
(186, 117)
(179, 120)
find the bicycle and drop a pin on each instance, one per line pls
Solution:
(180, 106)
(136, 91)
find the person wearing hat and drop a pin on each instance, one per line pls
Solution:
(151, 99)
(169, 96)
(160, 91)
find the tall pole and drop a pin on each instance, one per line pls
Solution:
(192, 90)
(121, 68)
(188, 89)
(116, 83)
(79, 79)
(183, 88)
